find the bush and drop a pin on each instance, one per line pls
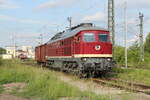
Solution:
(2, 51)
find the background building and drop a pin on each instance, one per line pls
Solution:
(29, 50)
(11, 50)
(14, 52)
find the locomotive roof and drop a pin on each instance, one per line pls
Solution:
(73, 31)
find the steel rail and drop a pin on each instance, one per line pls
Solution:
(135, 87)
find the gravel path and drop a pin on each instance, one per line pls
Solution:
(89, 85)
(114, 93)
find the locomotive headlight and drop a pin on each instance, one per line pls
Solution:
(108, 59)
(84, 59)
(97, 47)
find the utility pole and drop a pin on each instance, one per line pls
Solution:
(40, 39)
(14, 45)
(111, 22)
(70, 21)
(141, 17)
(125, 34)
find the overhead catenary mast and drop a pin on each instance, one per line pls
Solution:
(141, 16)
(40, 39)
(111, 22)
(14, 44)
(125, 34)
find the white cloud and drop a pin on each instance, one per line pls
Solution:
(25, 21)
(30, 21)
(7, 4)
(22, 35)
(56, 3)
(139, 3)
(135, 3)
(5, 17)
(99, 16)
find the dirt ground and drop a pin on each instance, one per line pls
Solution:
(10, 97)
(8, 88)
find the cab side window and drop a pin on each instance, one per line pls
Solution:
(89, 37)
(103, 37)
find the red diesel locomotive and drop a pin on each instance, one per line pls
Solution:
(85, 50)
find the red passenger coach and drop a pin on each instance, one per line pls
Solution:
(84, 49)
(40, 53)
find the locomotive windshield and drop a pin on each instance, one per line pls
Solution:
(89, 37)
(103, 37)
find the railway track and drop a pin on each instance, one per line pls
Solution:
(117, 83)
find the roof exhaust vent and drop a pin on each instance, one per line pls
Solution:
(82, 25)
(86, 24)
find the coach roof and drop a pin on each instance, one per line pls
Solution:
(73, 31)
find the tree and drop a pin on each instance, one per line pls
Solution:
(147, 44)
(134, 46)
(119, 54)
(133, 52)
(2, 51)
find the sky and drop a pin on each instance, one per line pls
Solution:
(22, 21)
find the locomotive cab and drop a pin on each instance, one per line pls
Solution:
(93, 44)
(95, 50)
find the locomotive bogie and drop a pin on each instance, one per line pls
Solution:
(81, 65)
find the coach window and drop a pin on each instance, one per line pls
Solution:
(103, 37)
(89, 37)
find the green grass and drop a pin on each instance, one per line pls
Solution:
(41, 83)
(133, 75)
(1, 89)
(0, 60)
